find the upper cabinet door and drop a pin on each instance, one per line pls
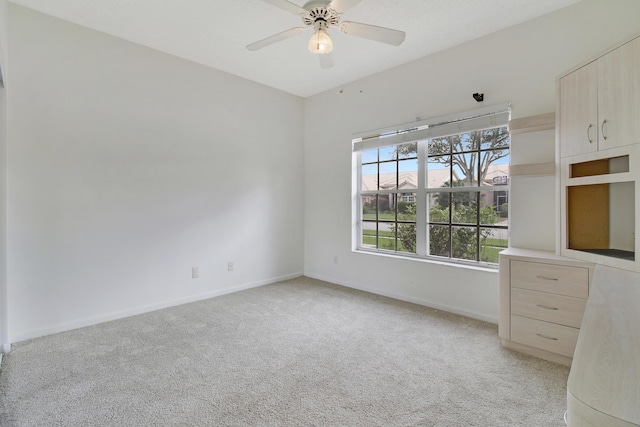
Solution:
(579, 111)
(619, 96)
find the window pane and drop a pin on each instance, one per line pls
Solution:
(497, 172)
(370, 177)
(369, 156)
(492, 241)
(494, 207)
(406, 237)
(369, 235)
(369, 203)
(501, 200)
(388, 153)
(465, 170)
(439, 172)
(387, 207)
(466, 142)
(495, 138)
(386, 236)
(408, 174)
(439, 146)
(464, 242)
(464, 208)
(407, 207)
(438, 207)
(388, 176)
(439, 240)
(407, 151)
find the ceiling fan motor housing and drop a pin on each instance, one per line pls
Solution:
(320, 13)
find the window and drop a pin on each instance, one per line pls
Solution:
(436, 190)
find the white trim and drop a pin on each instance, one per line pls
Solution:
(90, 321)
(455, 262)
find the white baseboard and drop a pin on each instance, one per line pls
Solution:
(90, 321)
(419, 301)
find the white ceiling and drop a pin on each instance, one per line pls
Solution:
(215, 32)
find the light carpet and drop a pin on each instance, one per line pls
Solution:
(296, 353)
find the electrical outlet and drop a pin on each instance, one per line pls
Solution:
(195, 272)
(230, 266)
(335, 259)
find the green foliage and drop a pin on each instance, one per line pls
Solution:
(406, 232)
(463, 241)
(402, 206)
(504, 210)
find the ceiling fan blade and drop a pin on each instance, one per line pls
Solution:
(371, 32)
(326, 60)
(275, 38)
(287, 5)
(342, 5)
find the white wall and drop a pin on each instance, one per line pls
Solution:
(4, 337)
(519, 65)
(532, 205)
(128, 166)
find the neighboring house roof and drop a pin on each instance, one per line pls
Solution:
(436, 179)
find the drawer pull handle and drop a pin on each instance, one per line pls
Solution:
(547, 278)
(547, 338)
(546, 307)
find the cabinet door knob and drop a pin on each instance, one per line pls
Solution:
(604, 122)
(589, 133)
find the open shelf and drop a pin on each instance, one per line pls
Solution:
(615, 253)
(608, 166)
(601, 219)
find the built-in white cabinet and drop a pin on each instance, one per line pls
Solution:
(598, 132)
(599, 103)
(578, 111)
(542, 301)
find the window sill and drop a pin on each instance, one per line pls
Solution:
(489, 268)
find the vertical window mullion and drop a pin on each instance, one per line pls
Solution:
(478, 196)
(478, 225)
(378, 205)
(422, 208)
(394, 202)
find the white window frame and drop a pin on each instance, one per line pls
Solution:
(420, 132)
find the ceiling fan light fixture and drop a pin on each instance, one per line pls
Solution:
(320, 42)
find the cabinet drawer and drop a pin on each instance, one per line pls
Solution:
(552, 308)
(544, 335)
(556, 279)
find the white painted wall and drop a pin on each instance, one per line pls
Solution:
(128, 166)
(4, 336)
(519, 65)
(532, 197)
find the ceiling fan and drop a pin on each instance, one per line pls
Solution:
(322, 15)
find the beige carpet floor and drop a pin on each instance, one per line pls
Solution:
(297, 353)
